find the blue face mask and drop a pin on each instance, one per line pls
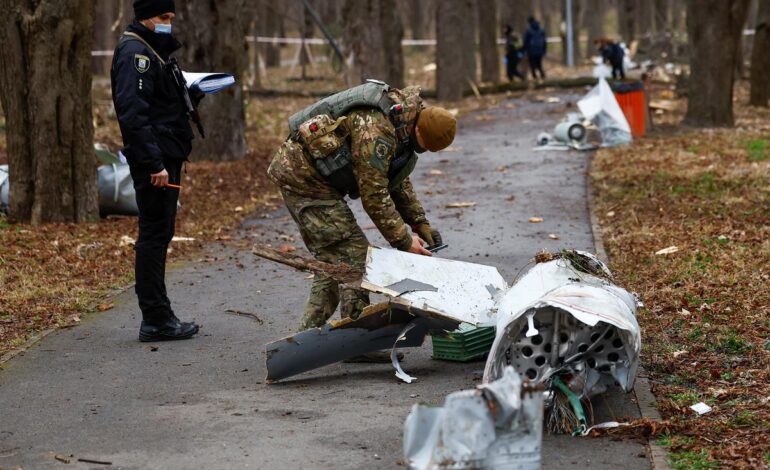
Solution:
(161, 28)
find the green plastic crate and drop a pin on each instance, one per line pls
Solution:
(466, 343)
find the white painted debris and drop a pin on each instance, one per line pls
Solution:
(493, 426)
(587, 328)
(600, 106)
(464, 292)
(701, 408)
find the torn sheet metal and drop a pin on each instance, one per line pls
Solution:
(378, 328)
(497, 425)
(394, 354)
(465, 292)
(600, 106)
(565, 318)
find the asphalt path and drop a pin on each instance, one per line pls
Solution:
(94, 392)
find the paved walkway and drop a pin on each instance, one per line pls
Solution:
(96, 393)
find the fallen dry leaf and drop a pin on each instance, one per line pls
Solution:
(667, 251)
(435, 172)
(104, 307)
(535, 220)
(460, 205)
(287, 248)
(553, 236)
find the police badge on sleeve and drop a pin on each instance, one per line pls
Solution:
(141, 63)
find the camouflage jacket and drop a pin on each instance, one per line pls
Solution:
(373, 145)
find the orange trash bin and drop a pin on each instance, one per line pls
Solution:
(632, 101)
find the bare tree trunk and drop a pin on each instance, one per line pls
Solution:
(714, 29)
(417, 18)
(645, 18)
(515, 14)
(454, 19)
(760, 57)
(104, 38)
(676, 10)
(214, 34)
(306, 32)
(661, 15)
(373, 32)
(595, 23)
(627, 20)
(490, 57)
(393, 33)
(48, 119)
(268, 25)
(254, 81)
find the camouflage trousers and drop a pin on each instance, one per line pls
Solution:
(332, 235)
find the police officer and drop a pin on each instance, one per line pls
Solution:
(157, 140)
(362, 142)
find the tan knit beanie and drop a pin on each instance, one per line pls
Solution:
(437, 128)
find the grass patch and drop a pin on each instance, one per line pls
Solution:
(758, 149)
(710, 298)
(690, 460)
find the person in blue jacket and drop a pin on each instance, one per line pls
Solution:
(536, 46)
(157, 139)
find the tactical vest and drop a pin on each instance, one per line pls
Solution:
(337, 168)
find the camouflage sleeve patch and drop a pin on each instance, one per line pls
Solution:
(373, 143)
(381, 155)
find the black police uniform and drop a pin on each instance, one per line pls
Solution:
(156, 135)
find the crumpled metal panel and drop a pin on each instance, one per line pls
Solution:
(496, 425)
(465, 292)
(558, 319)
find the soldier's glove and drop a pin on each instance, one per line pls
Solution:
(430, 235)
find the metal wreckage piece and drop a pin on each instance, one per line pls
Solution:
(563, 324)
(497, 425)
(427, 295)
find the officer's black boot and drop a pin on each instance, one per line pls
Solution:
(171, 329)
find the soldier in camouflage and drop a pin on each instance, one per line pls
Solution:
(360, 143)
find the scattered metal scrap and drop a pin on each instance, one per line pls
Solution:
(497, 425)
(564, 324)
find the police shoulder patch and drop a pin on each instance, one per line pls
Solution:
(141, 63)
(381, 153)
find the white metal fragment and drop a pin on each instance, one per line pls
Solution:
(701, 408)
(492, 426)
(394, 356)
(465, 292)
